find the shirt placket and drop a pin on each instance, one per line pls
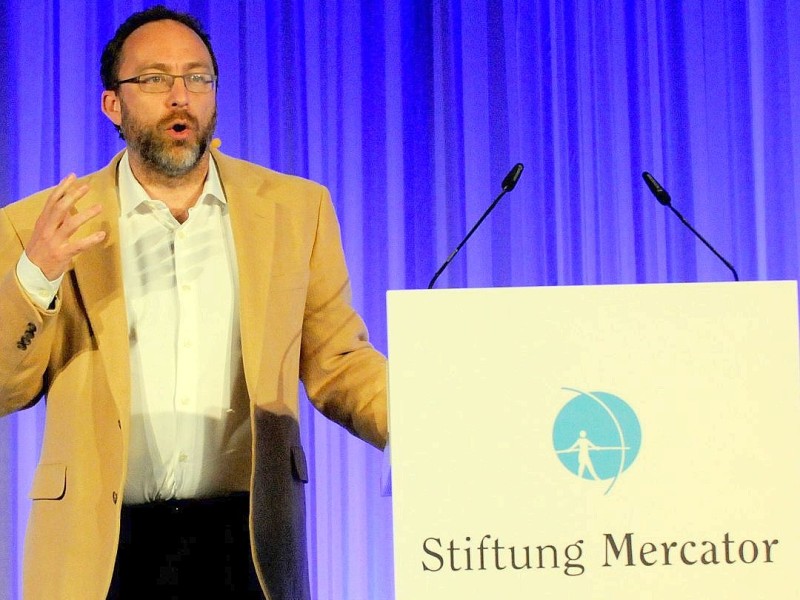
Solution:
(186, 409)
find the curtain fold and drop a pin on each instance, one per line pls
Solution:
(412, 113)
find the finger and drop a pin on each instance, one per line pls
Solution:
(67, 200)
(59, 203)
(75, 247)
(59, 190)
(76, 220)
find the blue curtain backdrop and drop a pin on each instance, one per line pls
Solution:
(412, 113)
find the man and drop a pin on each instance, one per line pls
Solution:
(166, 307)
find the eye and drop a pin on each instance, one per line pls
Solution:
(199, 78)
(152, 78)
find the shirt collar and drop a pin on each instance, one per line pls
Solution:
(132, 194)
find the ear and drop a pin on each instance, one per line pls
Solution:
(110, 105)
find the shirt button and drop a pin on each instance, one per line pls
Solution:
(183, 457)
(114, 497)
(181, 235)
(184, 401)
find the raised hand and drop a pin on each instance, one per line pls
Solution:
(51, 247)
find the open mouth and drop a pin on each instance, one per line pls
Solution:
(179, 127)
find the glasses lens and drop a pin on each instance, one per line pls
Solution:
(199, 82)
(163, 82)
(156, 82)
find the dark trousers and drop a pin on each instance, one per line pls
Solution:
(185, 549)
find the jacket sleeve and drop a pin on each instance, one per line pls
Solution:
(26, 331)
(344, 375)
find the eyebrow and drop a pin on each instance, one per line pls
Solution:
(164, 68)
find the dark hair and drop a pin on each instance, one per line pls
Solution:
(112, 53)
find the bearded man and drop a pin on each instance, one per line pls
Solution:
(167, 306)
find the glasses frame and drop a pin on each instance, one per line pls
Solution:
(171, 79)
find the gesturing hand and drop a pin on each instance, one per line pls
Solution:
(51, 247)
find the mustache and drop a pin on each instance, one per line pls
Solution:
(179, 116)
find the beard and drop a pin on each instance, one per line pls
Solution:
(167, 157)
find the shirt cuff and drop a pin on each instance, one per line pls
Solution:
(40, 290)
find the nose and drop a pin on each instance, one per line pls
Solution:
(178, 94)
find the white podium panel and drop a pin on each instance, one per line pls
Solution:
(596, 442)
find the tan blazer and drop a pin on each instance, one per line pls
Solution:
(296, 322)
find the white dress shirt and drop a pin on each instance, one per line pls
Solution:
(181, 294)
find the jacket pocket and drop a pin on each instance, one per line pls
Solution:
(49, 482)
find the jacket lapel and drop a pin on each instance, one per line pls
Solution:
(253, 225)
(98, 272)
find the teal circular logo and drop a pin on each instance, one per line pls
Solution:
(597, 436)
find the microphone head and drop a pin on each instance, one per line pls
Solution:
(510, 181)
(659, 192)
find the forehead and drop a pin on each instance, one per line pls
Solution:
(166, 43)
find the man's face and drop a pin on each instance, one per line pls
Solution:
(166, 132)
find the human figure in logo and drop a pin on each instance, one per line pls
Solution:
(583, 445)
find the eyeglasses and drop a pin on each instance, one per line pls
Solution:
(155, 83)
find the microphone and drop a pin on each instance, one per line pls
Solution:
(510, 180)
(664, 198)
(659, 192)
(509, 183)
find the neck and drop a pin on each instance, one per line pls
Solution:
(180, 192)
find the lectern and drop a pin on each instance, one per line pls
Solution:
(596, 442)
